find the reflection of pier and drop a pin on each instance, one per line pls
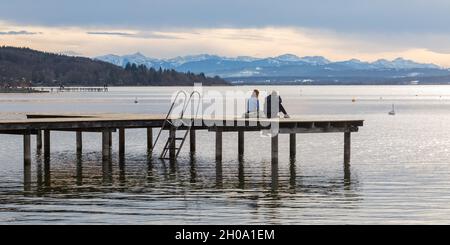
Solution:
(41, 125)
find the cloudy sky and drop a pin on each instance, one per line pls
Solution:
(363, 29)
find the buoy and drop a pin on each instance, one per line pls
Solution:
(392, 112)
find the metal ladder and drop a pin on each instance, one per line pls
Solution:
(173, 139)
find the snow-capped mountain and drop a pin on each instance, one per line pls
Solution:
(283, 65)
(180, 60)
(137, 58)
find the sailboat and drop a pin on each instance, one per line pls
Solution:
(136, 100)
(392, 113)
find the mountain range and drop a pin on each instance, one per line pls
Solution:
(287, 67)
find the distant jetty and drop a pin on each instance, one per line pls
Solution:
(78, 89)
(21, 90)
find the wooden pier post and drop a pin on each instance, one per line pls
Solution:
(79, 170)
(172, 143)
(106, 149)
(39, 140)
(275, 149)
(26, 161)
(149, 140)
(218, 145)
(241, 144)
(292, 174)
(47, 144)
(292, 146)
(106, 156)
(121, 145)
(275, 162)
(192, 141)
(47, 177)
(39, 171)
(241, 174)
(79, 139)
(122, 155)
(347, 146)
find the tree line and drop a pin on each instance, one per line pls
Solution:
(27, 67)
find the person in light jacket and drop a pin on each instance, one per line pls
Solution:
(253, 105)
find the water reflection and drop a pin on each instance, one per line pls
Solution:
(192, 169)
(47, 177)
(107, 171)
(189, 179)
(150, 174)
(122, 172)
(241, 174)
(347, 175)
(173, 168)
(39, 171)
(219, 174)
(275, 176)
(170, 171)
(292, 174)
(79, 170)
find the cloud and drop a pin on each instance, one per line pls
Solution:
(344, 15)
(158, 35)
(125, 34)
(18, 33)
(142, 34)
(259, 42)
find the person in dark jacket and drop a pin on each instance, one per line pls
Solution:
(274, 105)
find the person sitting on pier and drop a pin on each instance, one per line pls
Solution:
(253, 105)
(274, 105)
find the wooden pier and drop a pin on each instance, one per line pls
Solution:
(42, 125)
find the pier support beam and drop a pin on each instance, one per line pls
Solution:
(47, 158)
(39, 140)
(122, 155)
(274, 162)
(192, 140)
(347, 146)
(46, 145)
(149, 140)
(292, 146)
(26, 161)
(241, 144)
(106, 156)
(274, 150)
(110, 139)
(219, 145)
(79, 136)
(121, 145)
(172, 143)
(79, 170)
(106, 148)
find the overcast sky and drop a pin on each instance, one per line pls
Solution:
(415, 29)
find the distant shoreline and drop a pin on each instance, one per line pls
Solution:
(39, 89)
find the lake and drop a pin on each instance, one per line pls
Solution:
(400, 167)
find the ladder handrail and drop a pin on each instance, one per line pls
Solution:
(170, 112)
(192, 120)
(182, 122)
(189, 101)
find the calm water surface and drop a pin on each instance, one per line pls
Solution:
(400, 170)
